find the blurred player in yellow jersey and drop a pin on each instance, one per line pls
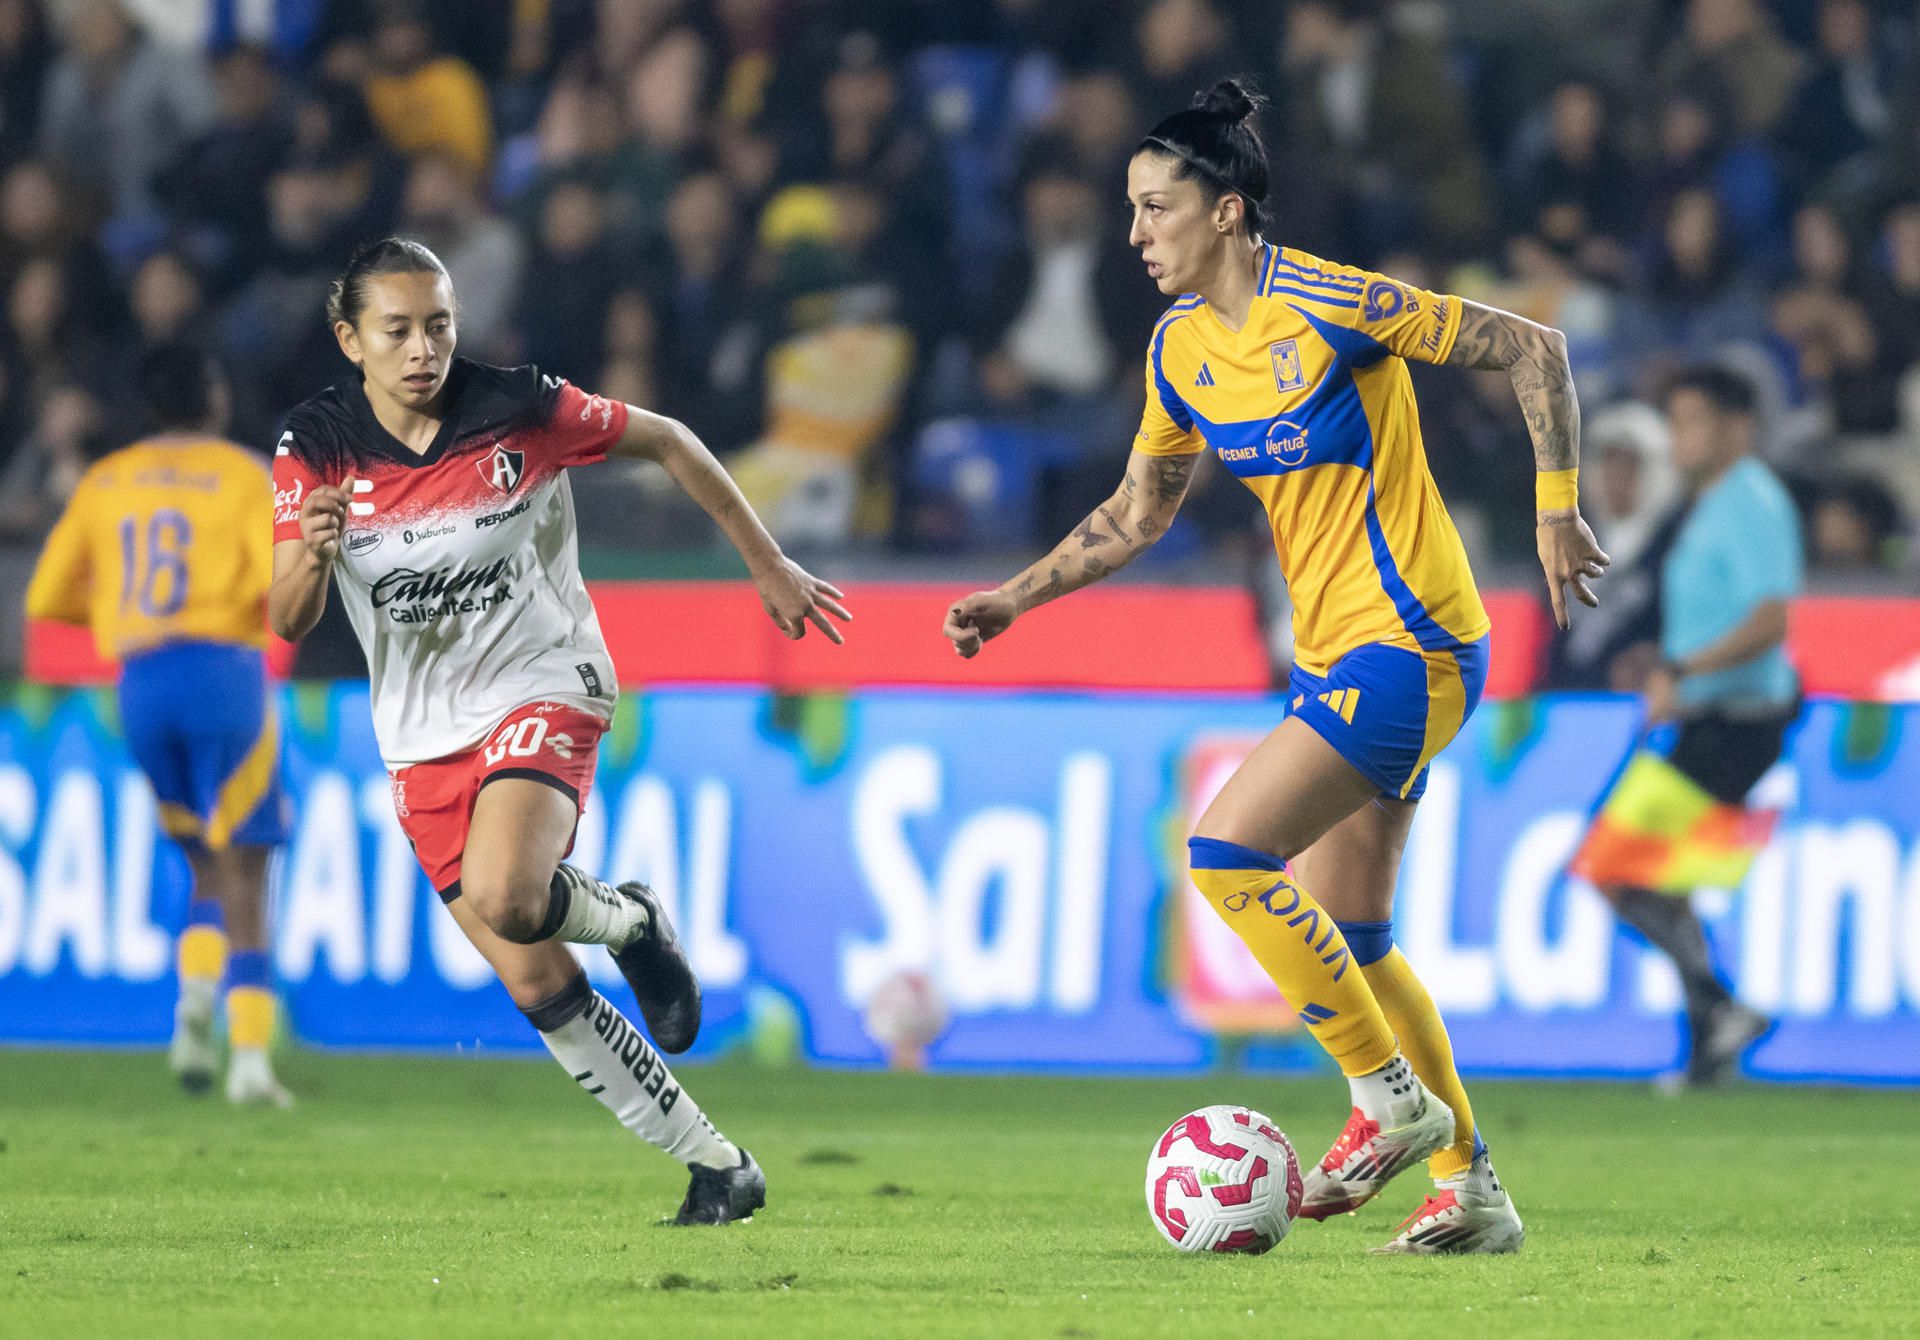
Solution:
(165, 550)
(1292, 370)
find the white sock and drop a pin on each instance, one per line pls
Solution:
(608, 1057)
(1477, 1182)
(589, 912)
(197, 998)
(1390, 1095)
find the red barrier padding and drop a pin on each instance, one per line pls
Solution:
(62, 653)
(1126, 637)
(1155, 638)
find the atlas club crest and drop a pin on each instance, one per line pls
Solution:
(502, 468)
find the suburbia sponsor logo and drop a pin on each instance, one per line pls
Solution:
(605, 408)
(427, 533)
(286, 503)
(363, 541)
(495, 518)
(411, 596)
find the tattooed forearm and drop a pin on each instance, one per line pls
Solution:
(1168, 476)
(1112, 534)
(1535, 357)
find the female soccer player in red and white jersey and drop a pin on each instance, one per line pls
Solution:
(433, 491)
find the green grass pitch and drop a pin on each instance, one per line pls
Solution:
(488, 1198)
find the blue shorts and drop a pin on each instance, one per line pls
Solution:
(201, 726)
(1389, 710)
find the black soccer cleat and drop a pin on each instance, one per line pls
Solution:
(723, 1195)
(660, 977)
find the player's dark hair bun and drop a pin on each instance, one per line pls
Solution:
(1230, 100)
(1217, 143)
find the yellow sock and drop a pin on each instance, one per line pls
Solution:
(249, 1016)
(1300, 947)
(203, 953)
(1423, 1037)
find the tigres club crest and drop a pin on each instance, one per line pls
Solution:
(1286, 366)
(501, 468)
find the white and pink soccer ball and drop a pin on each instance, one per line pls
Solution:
(1223, 1179)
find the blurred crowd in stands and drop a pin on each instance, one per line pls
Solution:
(875, 251)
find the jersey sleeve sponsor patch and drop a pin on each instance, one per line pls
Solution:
(292, 482)
(583, 429)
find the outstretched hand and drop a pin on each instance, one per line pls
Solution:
(1571, 557)
(973, 621)
(794, 597)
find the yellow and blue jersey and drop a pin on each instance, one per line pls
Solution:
(1310, 405)
(163, 542)
(166, 552)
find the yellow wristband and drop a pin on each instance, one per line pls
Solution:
(1556, 490)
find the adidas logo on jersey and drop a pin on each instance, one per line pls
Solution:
(1206, 376)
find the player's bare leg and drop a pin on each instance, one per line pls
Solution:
(515, 881)
(1292, 789)
(1354, 867)
(607, 1056)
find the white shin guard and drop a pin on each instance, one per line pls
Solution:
(609, 1058)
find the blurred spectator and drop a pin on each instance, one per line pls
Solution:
(632, 341)
(835, 386)
(1853, 525)
(26, 50)
(561, 311)
(119, 107)
(1697, 147)
(711, 339)
(423, 99)
(1378, 153)
(1180, 48)
(1828, 336)
(1039, 338)
(482, 253)
(274, 335)
(1633, 502)
(1893, 298)
(665, 97)
(1098, 122)
(1846, 105)
(1695, 301)
(47, 466)
(1734, 41)
(864, 133)
(219, 180)
(1568, 190)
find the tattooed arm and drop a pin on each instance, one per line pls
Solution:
(1112, 535)
(1535, 357)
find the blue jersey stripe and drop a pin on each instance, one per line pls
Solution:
(1329, 298)
(1413, 615)
(1170, 400)
(1310, 274)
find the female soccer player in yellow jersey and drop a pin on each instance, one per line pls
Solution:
(1292, 369)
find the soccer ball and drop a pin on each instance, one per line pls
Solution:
(1223, 1179)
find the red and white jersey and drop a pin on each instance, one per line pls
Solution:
(459, 567)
